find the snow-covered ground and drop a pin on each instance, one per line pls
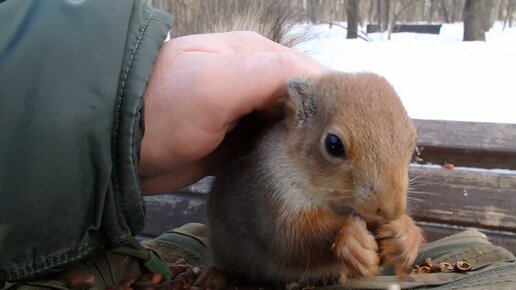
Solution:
(437, 76)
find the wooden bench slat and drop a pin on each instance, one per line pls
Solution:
(485, 199)
(467, 144)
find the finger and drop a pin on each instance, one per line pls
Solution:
(228, 42)
(249, 81)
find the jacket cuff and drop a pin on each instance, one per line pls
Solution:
(147, 30)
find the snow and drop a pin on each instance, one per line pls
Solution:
(438, 77)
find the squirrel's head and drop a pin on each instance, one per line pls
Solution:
(352, 137)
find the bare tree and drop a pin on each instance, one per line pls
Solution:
(352, 18)
(487, 15)
(396, 10)
(444, 11)
(474, 26)
(382, 12)
(382, 7)
(509, 8)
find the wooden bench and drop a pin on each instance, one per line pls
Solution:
(414, 28)
(480, 191)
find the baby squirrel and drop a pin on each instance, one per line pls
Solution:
(285, 210)
(297, 204)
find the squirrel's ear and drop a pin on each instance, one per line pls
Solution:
(301, 103)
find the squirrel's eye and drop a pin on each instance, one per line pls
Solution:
(334, 146)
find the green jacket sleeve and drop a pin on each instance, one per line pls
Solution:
(72, 78)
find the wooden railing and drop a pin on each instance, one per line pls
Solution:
(480, 190)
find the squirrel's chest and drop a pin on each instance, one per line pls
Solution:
(309, 235)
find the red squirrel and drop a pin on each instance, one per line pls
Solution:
(294, 208)
(297, 204)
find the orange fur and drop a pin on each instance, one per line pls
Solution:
(283, 211)
(309, 236)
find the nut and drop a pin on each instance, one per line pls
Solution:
(446, 267)
(423, 269)
(436, 268)
(428, 262)
(462, 266)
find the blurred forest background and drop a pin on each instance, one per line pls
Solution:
(478, 15)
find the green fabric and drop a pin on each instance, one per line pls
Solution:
(108, 268)
(187, 242)
(488, 262)
(493, 267)
(72, 77)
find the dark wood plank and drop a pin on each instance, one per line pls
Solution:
(464, 197)
(467, 144)
(174, 210)
(165, 212)
(443, 201)
(461, 197)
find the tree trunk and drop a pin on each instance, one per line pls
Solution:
(487, 14)
(473, 25)
(508, 14)
(383, 14)
(444, 12)
(352, 17)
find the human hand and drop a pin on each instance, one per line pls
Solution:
(201, 85)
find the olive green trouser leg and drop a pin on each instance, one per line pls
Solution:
(493, 267)
(102, 270)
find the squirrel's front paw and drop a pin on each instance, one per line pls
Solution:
(399, 243)
(357, 248)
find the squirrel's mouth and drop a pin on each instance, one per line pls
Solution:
(372, 220)
(353, 211)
